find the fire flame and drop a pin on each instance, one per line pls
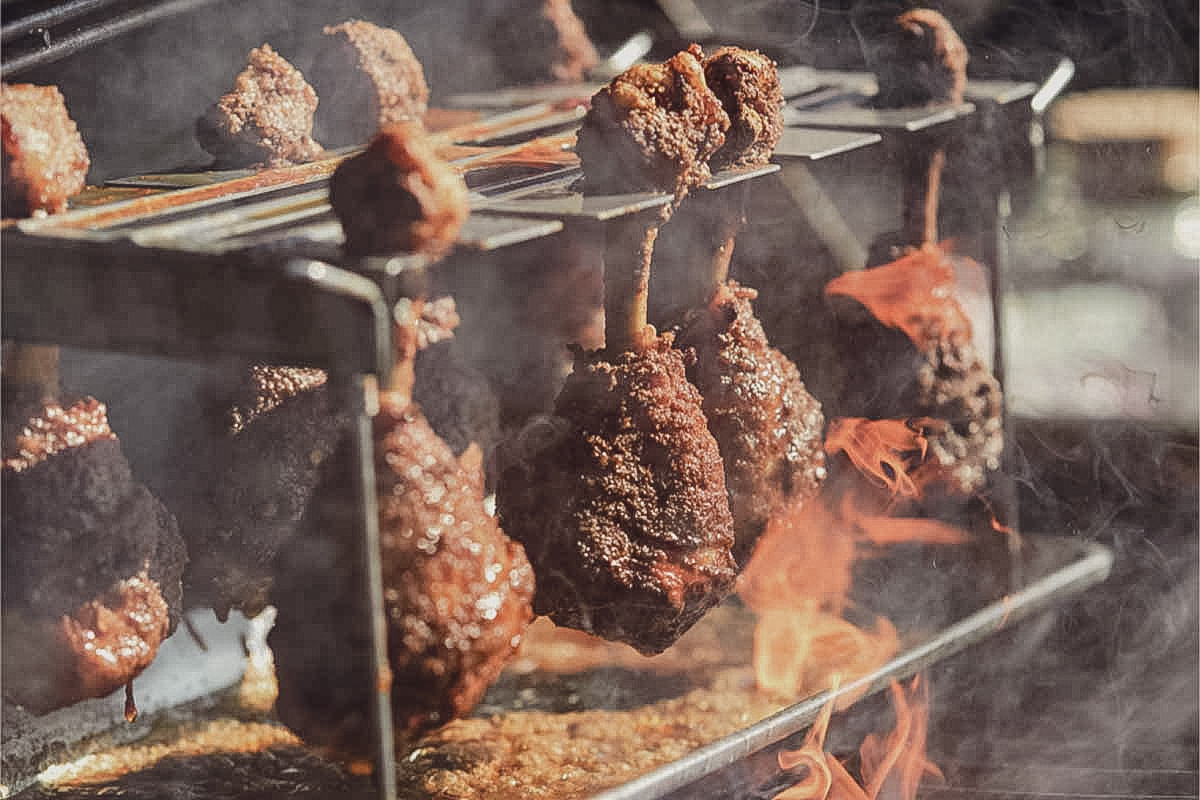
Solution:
(884, 450)
(798, 583)
(892, 765)
(915, 294)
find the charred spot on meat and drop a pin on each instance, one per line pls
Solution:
(769, 429)
(541, 41)
(367, 78)
(92, 561)
(398, 196)
(747, 83)
(45, 159)
(653, 128)
(920, 61)
(279, 430)
(266, 120)
(621, 506)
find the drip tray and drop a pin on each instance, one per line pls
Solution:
(577, 717)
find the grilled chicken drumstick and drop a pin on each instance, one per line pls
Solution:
(457, 591)
(622, 506)
(92, 561)
(770, 430)
(45, 159)
(924, 63)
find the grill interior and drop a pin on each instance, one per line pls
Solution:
(189, 263)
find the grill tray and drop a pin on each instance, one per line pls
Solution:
(965, 593)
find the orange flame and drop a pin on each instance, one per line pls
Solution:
(892, 765)
(914, 293)
(798, 583)
(884, 450)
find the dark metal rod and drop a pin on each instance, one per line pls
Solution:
(57, 15)
(86, 37)
(381, 677)
(1093, 567)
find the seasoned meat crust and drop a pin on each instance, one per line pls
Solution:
(770, 430)
(45, 160)
(280, 429)
(367, 77)
(456, 589)
(747, 83)
(921, 61)
(92, 562)
(399, 196)
(266, 120)
(622, 507)
(653, 128)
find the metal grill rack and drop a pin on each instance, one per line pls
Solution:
(249, 265)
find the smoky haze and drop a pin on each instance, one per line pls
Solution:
(1108, 680)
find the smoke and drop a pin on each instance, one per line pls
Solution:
(1109, 679)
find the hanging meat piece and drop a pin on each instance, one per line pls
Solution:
(769, 429)
(91, 561)
(398, 196)
(920, 60)
(279, 430)
(266, 120)
(367, 78)
(457, 591)
(938, 373)
(653, 128)
(747, 83)
(620, 501)
(45, 160)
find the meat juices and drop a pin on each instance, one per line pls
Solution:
(91, 562)
(398, 196)
(367, 78)
(622, 508)
(45, 160)
(280, 429)
(542, 41)
(267, 120)
(769, 429)
(920, 61)
(653, 128)
(747, 83)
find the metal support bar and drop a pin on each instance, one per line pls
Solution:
(383, 735)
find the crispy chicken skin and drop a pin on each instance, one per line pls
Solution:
(653, 128)
(457, 592)
(620, 501)
(398, 196)
(770, 430)
(92, 561)
(747, 83)
(367, 78)
(280, 428)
